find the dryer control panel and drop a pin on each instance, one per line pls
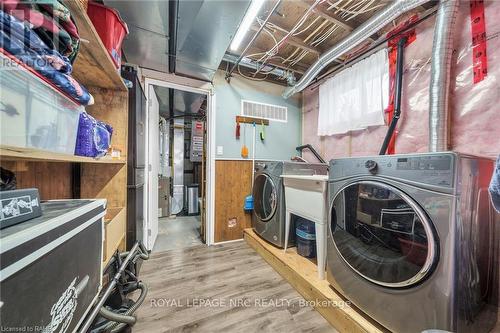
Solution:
(436, 169)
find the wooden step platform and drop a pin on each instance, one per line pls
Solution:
(302, 274)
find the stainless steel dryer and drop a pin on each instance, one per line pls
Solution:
(268, 218)
(412, 240)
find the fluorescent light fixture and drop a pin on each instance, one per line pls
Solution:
(250, 16)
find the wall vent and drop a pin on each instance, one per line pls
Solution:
(265, 111)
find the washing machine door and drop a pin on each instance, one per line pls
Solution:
(265, 196)
(382, 234)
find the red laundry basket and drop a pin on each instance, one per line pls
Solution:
(110, 27)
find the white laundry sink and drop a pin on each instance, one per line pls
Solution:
(307, 196)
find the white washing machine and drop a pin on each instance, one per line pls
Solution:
(412, 240)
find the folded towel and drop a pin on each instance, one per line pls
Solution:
(495, 186)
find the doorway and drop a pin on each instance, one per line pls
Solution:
(178, 162)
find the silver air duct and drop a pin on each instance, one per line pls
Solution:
(370, 27)
(254, 65)
(442, 51)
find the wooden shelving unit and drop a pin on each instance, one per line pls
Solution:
(11, 153)
(115, 228)
(61, 176)
(94, 66)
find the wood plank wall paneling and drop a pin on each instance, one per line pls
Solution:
(112, 107)
(233, 182)
(108, 181)
(52, 179)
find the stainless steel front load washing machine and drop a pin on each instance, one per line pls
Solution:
(268, 218)
(412, 240)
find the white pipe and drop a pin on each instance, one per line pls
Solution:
(370, 27)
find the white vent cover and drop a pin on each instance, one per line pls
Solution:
(265, 111)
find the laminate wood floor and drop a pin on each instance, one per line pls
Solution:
(223, 288)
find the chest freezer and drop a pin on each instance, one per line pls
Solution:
(50, 267)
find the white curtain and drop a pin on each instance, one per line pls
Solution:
(356, 97)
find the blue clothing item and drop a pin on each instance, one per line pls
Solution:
(20, 41)
(495, 186)
(93, 138)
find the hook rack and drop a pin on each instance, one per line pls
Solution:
(251, 120)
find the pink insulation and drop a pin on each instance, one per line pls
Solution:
(475, 108)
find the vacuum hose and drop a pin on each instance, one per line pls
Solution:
(120, 320)
(118, 317)
(143, 254)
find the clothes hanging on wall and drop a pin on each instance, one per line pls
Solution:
(355, 98)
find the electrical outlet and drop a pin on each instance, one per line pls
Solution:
(220, 150)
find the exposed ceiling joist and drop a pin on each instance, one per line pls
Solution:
(323, 12)
(294, 41)
(299, 67)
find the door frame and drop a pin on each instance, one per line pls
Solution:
(151, 191)
(210, 171)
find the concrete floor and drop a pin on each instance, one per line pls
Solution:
(177, 233)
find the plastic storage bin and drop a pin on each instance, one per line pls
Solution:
(33, 114)
(306, 238)
(110, 27)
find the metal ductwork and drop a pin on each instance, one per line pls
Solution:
(370, 27)
(442, 51)
(189, 42)
(254, 65)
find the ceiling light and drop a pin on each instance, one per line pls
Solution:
(250, 16)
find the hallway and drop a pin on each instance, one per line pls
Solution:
(177, 233)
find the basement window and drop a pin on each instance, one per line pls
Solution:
(355, 98)
(264, 111)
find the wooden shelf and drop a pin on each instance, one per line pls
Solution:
(115, 230)
(93, 66)
(103, 178)
(10, 153)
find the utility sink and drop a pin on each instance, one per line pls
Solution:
(307, 196)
